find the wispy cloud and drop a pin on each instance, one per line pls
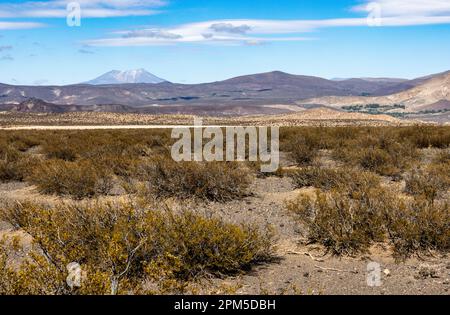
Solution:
(7, 58)
(246, 32)
(417, 8)
(5, 47)
(230, 28)
(89, 8)
(40, 82)
(85, 51)
(151, 33)
(19, 25)
(257, 32)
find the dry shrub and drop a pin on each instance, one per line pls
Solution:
(443, 156)
(427, 136)
(326, 178)
(420, 227)
(16, 170)
(377, 160)
(8, 160)
(60, 148)
(431, 182)
(303, 150)
(69, 145)
(345, 226)
(35, 276)
(76, 179)
(216, 181)
(225, 248)
(381, 155)
(122, 247)
(18, 140)
(15, 165)
(350, 224)
(122, 165)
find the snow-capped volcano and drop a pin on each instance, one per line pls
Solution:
(124, 77)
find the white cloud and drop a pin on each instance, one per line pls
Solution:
(89, 8)
(151, 33)
(416, 8)
(230, 28)
(19, 25)
(247, 32)
(256, 32)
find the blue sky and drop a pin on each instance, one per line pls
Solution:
(192, 41)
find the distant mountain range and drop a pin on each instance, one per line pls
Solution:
(431, 93)
(264, 93)
(126, 77)
(392, 80)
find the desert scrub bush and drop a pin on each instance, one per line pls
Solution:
(419, 227)
(78, 179)
(8, 160)
(15, 165)
(430, 182)
(345, 178)
(303, 149)
(225, 248)
(34, 276)
(69, 145)
(215, 181)
(427, 136)
(343, 225)
(377, 160)
(17, 169)
(117, 151)
(316, 137)
(347, 225)
(120, 160)
(303, 154)
(23, 141)
(380, 154)
(60, 148)
(120, 247)
(443, 156)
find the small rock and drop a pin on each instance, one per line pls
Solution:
(387, 272)
(426, 272)
(306, 274)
